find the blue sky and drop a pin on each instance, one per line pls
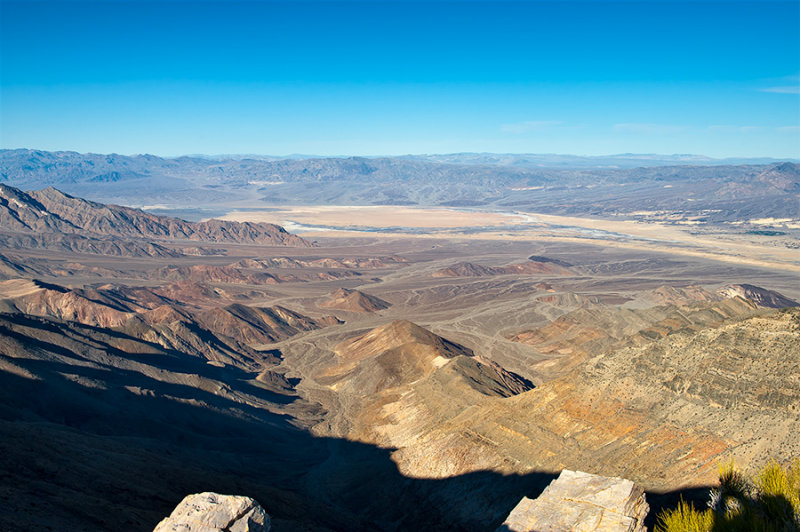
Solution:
(720, 78)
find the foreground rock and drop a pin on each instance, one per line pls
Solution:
(581, 501)
(206, 512)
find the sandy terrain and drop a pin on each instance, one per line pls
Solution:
(338, 221)
(376, 216)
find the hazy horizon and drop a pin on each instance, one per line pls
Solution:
(700, 157)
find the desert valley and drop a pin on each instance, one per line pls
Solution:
(387, 343)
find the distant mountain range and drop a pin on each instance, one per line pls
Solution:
(202, 187)
(622, 160)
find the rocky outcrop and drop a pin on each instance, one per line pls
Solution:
(207, 512)
(581, 501)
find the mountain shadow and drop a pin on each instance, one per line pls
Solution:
(91, 440)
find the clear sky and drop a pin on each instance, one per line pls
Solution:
(720, 78)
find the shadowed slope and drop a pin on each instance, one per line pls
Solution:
(107, 432)
(761, 296)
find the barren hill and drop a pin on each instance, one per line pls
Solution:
(389, 356)
(43, 299)
(382, 377)
(354, 301)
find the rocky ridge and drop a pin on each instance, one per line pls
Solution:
(761, 296)
(51, 211)
(185, 317)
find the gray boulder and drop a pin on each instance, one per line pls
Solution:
(211, 512)
(581, 502)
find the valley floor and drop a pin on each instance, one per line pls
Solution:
(638, 231)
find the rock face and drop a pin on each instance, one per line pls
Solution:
(581, 501)
(207, 512)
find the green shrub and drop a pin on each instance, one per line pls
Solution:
(769, 502)
(686, 519)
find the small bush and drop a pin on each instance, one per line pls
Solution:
(686, 519)
(768, 502)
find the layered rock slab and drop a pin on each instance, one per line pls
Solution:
(578, 501)
(209, 512)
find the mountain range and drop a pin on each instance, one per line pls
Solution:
(719, 192)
